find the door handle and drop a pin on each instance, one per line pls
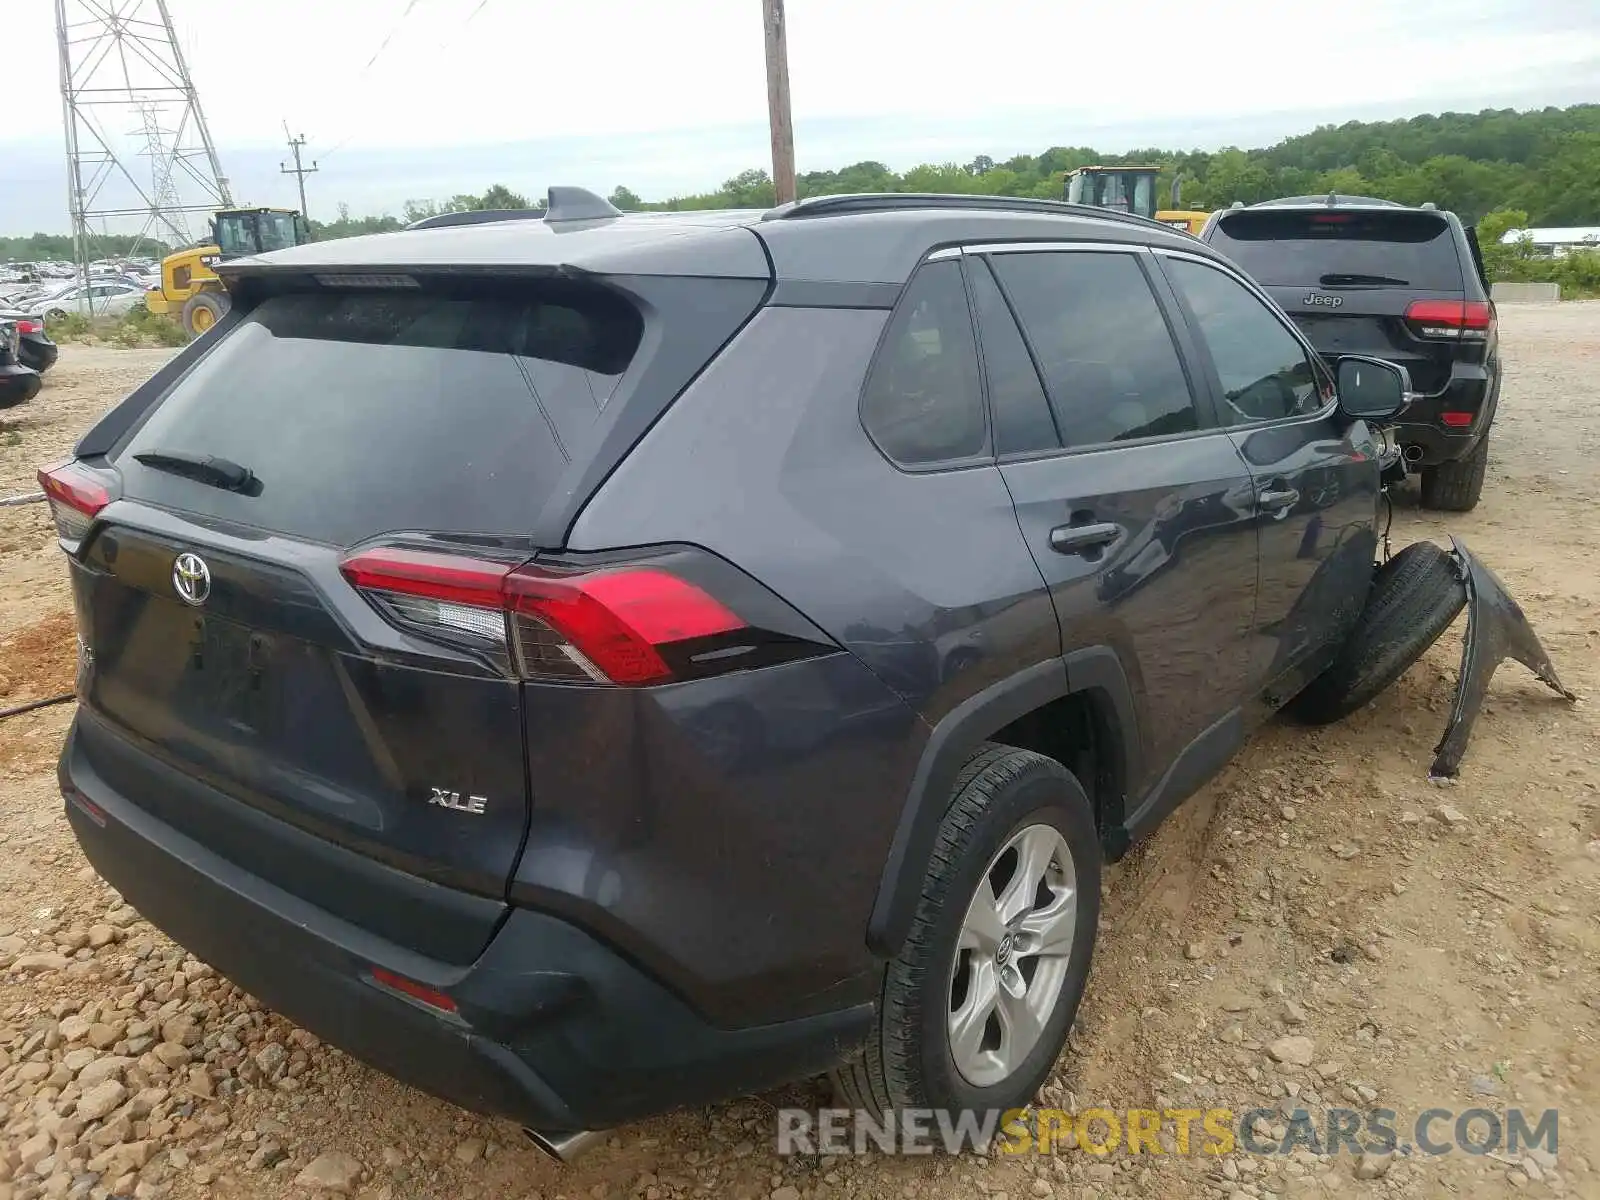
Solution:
(1076, 539)
(1276, 499)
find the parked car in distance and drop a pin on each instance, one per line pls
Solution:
(18, 383)
(109, 298)
(1364, 276)
(754, 634)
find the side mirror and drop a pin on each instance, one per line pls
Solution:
(1372, 389)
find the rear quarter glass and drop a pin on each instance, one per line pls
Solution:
(364, 412)
(1297, 248)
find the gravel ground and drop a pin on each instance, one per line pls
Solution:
(1320, 927)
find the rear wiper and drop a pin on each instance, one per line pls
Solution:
(1335, 279)
(202, 468)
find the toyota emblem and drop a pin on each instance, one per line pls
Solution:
(191, 578)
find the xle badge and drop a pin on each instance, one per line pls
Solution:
(455, 800)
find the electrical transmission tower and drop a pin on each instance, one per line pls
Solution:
(126, 93)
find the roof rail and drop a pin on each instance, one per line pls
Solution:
(477, 216)
(561, 204)
(868, 202)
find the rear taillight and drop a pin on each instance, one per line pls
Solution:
(76, 496)
(1457, 320)
(29, 325)
(626, 624)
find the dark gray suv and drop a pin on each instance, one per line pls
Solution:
(593, 664)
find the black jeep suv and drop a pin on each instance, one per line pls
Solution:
(1365, 276)
(593, 664)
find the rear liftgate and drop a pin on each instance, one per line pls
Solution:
(1497, 629)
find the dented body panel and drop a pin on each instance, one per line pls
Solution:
(1497, 629)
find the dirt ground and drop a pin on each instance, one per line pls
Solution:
(1437, 947)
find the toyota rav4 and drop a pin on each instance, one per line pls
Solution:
(592, 664)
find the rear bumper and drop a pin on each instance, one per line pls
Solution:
(1472, 390)
(553, 1029)
(38, 354)
(18, 384)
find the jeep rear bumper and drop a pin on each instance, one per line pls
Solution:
(551, 1028)
(1444, 426)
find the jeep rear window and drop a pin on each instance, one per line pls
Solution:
(1297, 248)
(365, 412)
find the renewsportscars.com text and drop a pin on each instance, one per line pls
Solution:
(1179, 1131)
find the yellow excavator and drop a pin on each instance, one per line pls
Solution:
(190, 289)
(1131, 190)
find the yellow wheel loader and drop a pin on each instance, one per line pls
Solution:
(190, 290)
(1131, 190)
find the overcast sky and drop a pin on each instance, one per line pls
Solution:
(670, 96)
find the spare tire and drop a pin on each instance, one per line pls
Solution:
(1414, 597)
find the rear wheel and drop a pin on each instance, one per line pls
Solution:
(1414, 597)
(1456, 486)
(203, 310)
(978, 1002)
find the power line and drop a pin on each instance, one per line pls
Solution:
(376, 54)
(389, 37)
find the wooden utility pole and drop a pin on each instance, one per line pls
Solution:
(298, 171)
(778, 116)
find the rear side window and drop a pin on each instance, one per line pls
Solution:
(1110, 366)
(1336, 248)
(922, 404)
(1022, 420)
(361, 413)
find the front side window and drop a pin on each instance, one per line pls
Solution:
(234, 237)
(1265, 372)
(1110, 366)
(278, 231)
(922, 404)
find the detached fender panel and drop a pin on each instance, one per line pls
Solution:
(1497, 629)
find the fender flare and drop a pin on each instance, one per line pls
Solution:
(953, 739)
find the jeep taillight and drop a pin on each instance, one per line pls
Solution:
(629, 623)
(1454, 320)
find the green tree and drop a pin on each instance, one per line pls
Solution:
(1544, 163)
(500, 196)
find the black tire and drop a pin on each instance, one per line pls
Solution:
(213, 304)
(1414, 597)
(1456, 486)
(907, 1062)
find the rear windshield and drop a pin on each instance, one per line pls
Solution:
(359, 413)
(1299, 248)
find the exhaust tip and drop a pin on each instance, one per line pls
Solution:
(565, 1147)
(1413, 453)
